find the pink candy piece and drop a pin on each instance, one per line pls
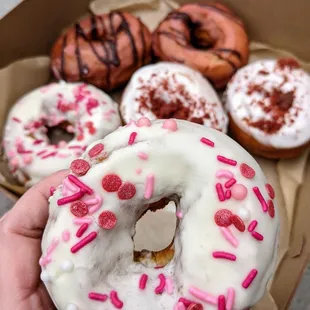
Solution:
(143, 156)
(257, 236)
(179, 215)
(142, 282)
(89, 238)
(27, 159)
(66, 235)
(132, 138)
(252, 226)
(186, 302)
(80, 184)
(70, 186)
(229, 236)
(82, 220)
(14, 162)
(98, 296)
(204, 296)
(81, 230)
(207, 142)
(74, 197)
(138, 171)
(116, 302)
(52, 190)
(226, 160)
(144, 122)
(261, 199)
(162, 283)
(170, 124)
(230, 182)
(94, 208)
(230, 299)
(169, 286)
(224, 255)
(149, 186)
(51, 154)
(221, 305)
(224, 174)
(220, 191)
(179, 306)
(249, 278)
(228, 194)
(239, 192)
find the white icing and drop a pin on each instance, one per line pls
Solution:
(43, 102)
(45, 276)
(203, 98)
(295, 132)
(72, 307)
(184, 166)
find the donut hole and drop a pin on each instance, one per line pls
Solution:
(156, 228)
(200, 37)
(59, 133)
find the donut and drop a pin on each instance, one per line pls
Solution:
(226, 212)
(169, 90)
(268, 103)
(206, 37)
(103, 50)
(82, 110)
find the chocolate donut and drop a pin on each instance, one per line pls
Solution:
(103, 50)
(208, 38)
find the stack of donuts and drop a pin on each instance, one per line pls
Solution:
(174, 145)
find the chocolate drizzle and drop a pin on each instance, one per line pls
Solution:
(62, 66)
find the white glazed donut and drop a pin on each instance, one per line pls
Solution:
(82, 109)
(226, 238)
(270, 101)
(170, 90)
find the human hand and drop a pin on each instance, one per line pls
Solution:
(21, 231)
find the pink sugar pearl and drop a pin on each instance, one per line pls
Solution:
(62, 144)
(27, 159)
(143, 122)
(14, 162)
(170, 124)
(239, 192)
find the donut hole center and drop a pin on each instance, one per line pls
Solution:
(59, 133)
(201, 38)
(155, 230)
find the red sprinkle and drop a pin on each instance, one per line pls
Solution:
(88, 239)
(270, 191)
(228, 194)
(230, 182)
(186, 302)
(220, 191)
(98, 296)
(80, 184)
(271, 208)
(142, 282)
(227, 161)
(41, 152)
(221, 305)
(247, 171)
(107, 220)
(17, 120)
(252, 226)
(162, 283)
(72, 198)
(207, 142)
(81, 230)
(249, 278)
(260, 198)
(238, 223)
(36, 142)
(132, 138)
(257, 236)
(80, 166)
(79, 208)
(95, 150)
(111, 183)
(116, 302)
(126, 191)
(223, 218)
(224, 255)
(51, 154)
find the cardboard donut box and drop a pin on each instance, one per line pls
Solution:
(275, 28)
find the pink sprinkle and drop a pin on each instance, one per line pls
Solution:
(97, 296)
(138, 171)
(230, 299)
(53, 246)
(257, 236)
(228, 194)
(89, 238)
(132, 138)
(260, 198)
(220, 191)
(224, 174)
(80, 184)
(41, 152)
(51, 154)
(249, 278)
(81, 230)
(230, 183)
(227, 161)
(14, 162)
(149, 187)
(62, 155)
(66, 235)
(179, 306)
(82, 220)
(52, 190)
(27, 159)
(142, 282)
(143, 156)
(204, 296)
(229, 236)
(143, 122)
(169, 286)
(170, 124)
(11, 154)
(207, 142)
(221, 303)
(36, 142)
(179, 215)
(91, 201)
(186, 302)
(116, 302)
(252, 226)
(94, 203)
(225, 255)
(70, 186)
(73, 147)
(74, 197)
(162, 283)
(17, 120)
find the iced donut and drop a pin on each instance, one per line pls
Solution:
(269, 105)
(103, 50)
(168, 90)
(82, 110)
(226, 220)
(207, 37)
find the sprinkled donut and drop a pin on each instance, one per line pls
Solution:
(207, 37)
(226, 220)
(82, 110)
(268, 102)
(169, 90)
